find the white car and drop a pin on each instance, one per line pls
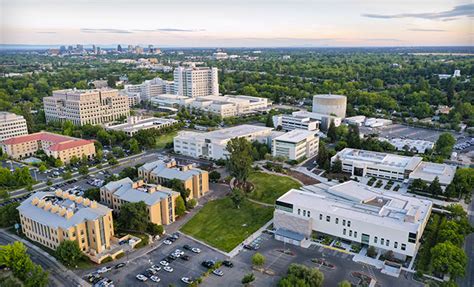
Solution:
(164, 263)
(187, 280)
(167, 242)
(141, 277)
(196, 250)
(180, 252)
(155, 279)
(218, 272)
(168, 269)
(156, 268)
(103, 269)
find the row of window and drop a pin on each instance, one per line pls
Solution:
(387, 243)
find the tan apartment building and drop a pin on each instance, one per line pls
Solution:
(159, 172)
(52, 217)
(12, 125)
(58, 146)
(95, 106)
(160, 201)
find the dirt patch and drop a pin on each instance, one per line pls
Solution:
(306, 180)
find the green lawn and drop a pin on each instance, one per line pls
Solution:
(269, 187)
(223, 226)
(163, 140)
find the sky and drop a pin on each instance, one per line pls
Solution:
(242, 23)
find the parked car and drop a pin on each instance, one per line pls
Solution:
(218, 272)
(120, 265)
(187, 280)
(196, 250)
(185, 257)
(167, 242)
(175, 235)
(227, 263)
(164, 263)
(155, 279)
(208, 263)
(104, 269)
(155, 267)
(187, 247)
(168, 269)
(141, 277)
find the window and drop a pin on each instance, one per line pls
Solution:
(412, 237)
(382, 241)
(375, 239)
(309, 213)
(395, 245)
(348, 223)
(404, 246)
(343, 222)
(304, 212)
(299, 211)
(355, 233)
(350, 232)
(328, 218)
(320, 216)
(344, 231)
(388, 242)
(337, 220)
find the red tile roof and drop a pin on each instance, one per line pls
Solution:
(59, 142)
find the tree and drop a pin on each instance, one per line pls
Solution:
(69, 253)
(444, 144)
(214, 176)
(418, 184)
(155, 229)
(332, 132)
(240, 158)
(4, 195)
(269, 121)
(133, 146)
(336, 166)
(180, 207)
(133, 216)
(448, 258)
(58, 163)
(9, 214)
(83, 170)
(371, 252)
(237, 197)
(42, 168)
(92, 193)
(353, 137)
(14, 256)
(248, 278)
(302, 276)
(344, 283)
(435, 187)
(191, 203)
(450, 231)
(67, 175)
(258, 259)
(113, 161)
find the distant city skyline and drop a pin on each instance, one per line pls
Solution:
(229, 23)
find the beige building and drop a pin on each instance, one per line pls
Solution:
(296, 145)
(12, 125)
(196, 81)
(57, 146)
(160, 201)
(52, 217)
(333, 105)
(96, 106)
(194, 179)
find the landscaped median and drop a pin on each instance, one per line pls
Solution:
(220, 224)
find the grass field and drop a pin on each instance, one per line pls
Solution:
(163, 140)
(268, 187)
(223, 226)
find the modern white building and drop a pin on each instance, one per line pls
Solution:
(353, 212)
(135, 124)
(213, 144)
(334, 105)
(324, 119)
(96, 106)
(12, 125)
(225, 106)
(150, 88)
(390, 166)
(196, 81)
(133, 99)
(417, 146)
(291, 122)
(296, 144)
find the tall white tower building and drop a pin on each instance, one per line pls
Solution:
(196, 81)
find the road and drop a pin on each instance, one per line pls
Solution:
(58, 274)
(468, 279)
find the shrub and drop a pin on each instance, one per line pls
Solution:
(120, 255)
(248, 278)
(107, 259)
(371, 252)
(191, 203)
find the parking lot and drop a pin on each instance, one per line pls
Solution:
(402, 131)
(192, 268)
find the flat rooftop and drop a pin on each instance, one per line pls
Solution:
(358, 201)
(329, 96)
(428, 171)
(227, 133)
(142, 123)
(295, 136)
(161, 169)
(82, 209)
(380, 158)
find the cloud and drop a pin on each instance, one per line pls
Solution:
(426, 30)
(109, 31)
(46, 32)
(458, 11)
(382, 40)
(169, 30)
